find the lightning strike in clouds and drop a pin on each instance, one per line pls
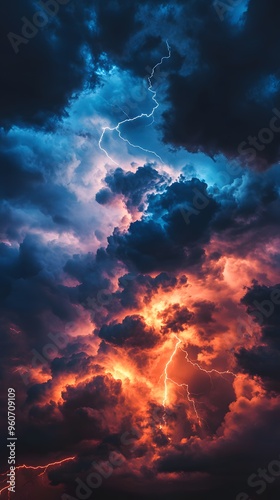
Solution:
(38, 467)
(165, 399)
(196, 365)
(190, 400)
(166, 379)
(209, 372)
(142, 115)
(14, 330)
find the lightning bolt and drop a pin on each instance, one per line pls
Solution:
(190, 400)
(209, 372)
(166, 379)
(14, 330)
(196, 365)
(37, 467)
(142, 115)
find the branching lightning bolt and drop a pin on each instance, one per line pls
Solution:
(165, 399)
(166, 379)
(37, 467)
(209, 372)
(196, 365)
(142, 115)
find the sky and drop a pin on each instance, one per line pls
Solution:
(139, 249)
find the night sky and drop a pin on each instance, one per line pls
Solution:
(139, 248)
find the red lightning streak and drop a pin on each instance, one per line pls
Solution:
(14, 330)
(38, 467)
(166, 378)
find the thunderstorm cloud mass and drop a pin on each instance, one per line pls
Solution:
(139, 250)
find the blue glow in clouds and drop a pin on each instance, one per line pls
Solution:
(142, 115)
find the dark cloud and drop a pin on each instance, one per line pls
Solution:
(16, 181)
(117, 22)
(263, 362)
(61, 58)
(176, 318)
(140, 288)
(29, 189)
(29, 291)
(229, 459)
(78, 363)
(147, 248)
(168, 241)
(203, 311)
(229, 94)
(132, 332)
(50, 427)
(100, 392)
(255, 209)
(263, 305)
(133, 186)
(38, 82)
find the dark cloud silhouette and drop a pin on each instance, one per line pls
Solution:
(263, 305)
(263, 362)
(229, 94)
(168, 241)
(133, 186)
(142, 288)
(176, 318)
(132, 332)
(39, 80)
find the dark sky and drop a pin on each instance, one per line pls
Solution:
(139, 248)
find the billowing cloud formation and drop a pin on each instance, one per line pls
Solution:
(140, 300)
(263, 360)
(165, 241)
(141, 320)
(132, 186)
(222, 90)
(131, 332)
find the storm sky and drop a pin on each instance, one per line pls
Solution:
(139, 253)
